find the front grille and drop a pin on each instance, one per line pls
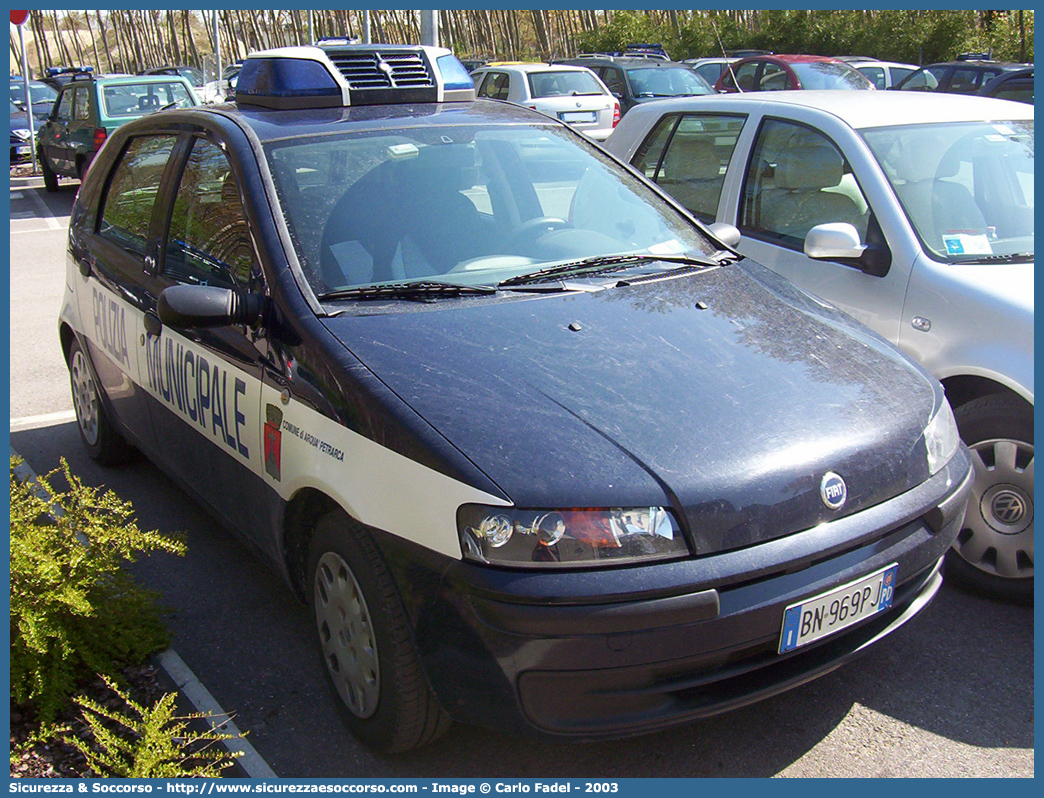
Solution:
(363, 70)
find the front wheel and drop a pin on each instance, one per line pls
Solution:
(104, 444)
(993, 553)
(366, 641)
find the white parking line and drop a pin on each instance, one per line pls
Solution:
(192, 688)
(45, 212)
(44, 420)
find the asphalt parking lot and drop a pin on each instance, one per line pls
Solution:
(951, 694)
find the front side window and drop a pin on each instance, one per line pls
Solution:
(797, 179)
(82, 104)
(209, 241)
(468, 204)
(63, 111)
(967, 81)
(966, 187)
(692, 170)
(127, 209)
(774, 78)
(743, 77)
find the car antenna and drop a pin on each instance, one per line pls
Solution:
(728, 63)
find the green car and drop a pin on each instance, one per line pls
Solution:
(90, 108)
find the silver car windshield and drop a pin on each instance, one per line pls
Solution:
(470, 205)
(966, 187)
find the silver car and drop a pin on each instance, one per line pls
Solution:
(913, 213)
(571, 94)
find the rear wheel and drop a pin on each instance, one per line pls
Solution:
(104, 444)
(366, 641)
(993, 553)
(50, 178)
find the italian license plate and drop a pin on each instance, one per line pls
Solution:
(22, 149)
(823, 615)
(578, 117)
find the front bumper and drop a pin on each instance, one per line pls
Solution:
(596, 654)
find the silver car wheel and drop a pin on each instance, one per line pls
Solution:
(85, 397)
(346, 635)
(998, 530)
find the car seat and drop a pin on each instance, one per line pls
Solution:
(148, 103)
(798, 199)
(690, 174)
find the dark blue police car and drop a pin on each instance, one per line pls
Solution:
(541, 452)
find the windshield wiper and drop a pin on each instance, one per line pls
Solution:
(424, 291)
(601, 265)
(1014, 257)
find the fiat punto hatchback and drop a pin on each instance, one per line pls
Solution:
(539, 451)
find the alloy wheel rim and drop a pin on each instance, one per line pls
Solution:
(346, 635)
(997, 537)
(85, 397)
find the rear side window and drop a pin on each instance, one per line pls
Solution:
(64, 110)
(209, 242)
(132, 191)
(495, 86)
(692, 169)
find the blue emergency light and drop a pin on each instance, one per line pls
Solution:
(336, 73)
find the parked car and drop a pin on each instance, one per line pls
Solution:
(495, 406)
(207, 91)
(21, 137)
(710, 69)
(89, 109)
(883, 74)
(1016, 85)
(957, 77)
(787, 72)
(573, 94)
(42, 95)
(638, 80)
(57, 77)
(914, 214)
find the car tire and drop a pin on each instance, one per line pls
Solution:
(50, 178)
(366, 642)
(104, 444)
(993, 553)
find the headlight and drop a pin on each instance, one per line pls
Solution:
(22, 133)
(941, 438)
(568, 537)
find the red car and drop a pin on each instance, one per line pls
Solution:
(783, 72)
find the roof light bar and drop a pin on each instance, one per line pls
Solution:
(339, 74)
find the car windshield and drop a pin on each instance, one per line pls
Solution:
(135, 99)
(557, 84)
(827, 75)
(40, 92)
(192, 75)
(967, 187)
(468, 205)
(666, 82)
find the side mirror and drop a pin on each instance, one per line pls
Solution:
(833, 241)
(195, 306)
(727, 234)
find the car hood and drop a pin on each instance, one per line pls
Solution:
(727, 395)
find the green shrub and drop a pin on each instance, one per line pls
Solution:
(149, 742)
(74, 611)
